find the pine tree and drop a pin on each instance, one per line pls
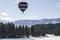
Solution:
(32, 31)
(27, 31)
(23, 31)
(2, 30)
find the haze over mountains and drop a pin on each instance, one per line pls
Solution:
(32, 22)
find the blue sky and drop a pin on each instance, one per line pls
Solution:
(37, 9)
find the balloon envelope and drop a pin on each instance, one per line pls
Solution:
(23, 6)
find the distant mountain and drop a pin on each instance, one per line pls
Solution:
(27, 22)
(3, 21)
(32, 22)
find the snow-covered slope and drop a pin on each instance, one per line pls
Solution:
(17, 39)
(49, 37)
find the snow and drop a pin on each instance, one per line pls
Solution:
(17, 39)
(47, 37)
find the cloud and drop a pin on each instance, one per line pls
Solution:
(58, 4)
(5, 16)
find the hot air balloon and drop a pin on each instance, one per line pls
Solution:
(22, 6)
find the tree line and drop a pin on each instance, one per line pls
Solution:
(9, 30)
